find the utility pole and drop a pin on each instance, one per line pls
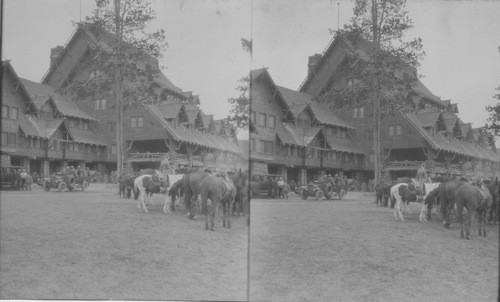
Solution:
(376, 95)
(118, 90)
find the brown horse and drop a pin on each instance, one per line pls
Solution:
(239, 180)
(476, 201)
(125, 185)
(219, 191)
(494, 189)
(192, 189)
(447, 196)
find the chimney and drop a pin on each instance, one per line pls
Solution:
(313, 61)
(55, 53)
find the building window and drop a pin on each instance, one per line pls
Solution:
(334, 155)
(140, 121)
(391, 130)
(262, 146)
(361, 112)
(5, 111)
(355, 113)
(399, 130)
(5, 136)
(368, 135)
(71, 123)
(97, 104)
(372, 157)
(356, 159)
(270, 147)
(343, 133)
(98, 151)
(113, 149)
(111, 126)
(334, 131)
(133, 122)
(13, 113)
(292, 150)
(11, 141)
(261, 119)
(77, 123)
(272, 121)
(85, 125)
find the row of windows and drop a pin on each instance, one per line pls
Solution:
(79, 124)
(9, 112)
(100, 104)
(268, 146)
(136, 121)
(331, 132)
(263, 120)
(395, 130)
(358, 113)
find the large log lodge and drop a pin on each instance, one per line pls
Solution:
(43, 130)
(296, 136)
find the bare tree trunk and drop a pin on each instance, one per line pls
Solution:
(376, 101)
(118, 93)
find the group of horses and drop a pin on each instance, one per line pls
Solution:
(467, 199)
(209, 192)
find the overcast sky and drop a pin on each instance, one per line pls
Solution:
(461, 39)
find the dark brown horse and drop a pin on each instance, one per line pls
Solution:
(476, 201)
(192, 189)
(220, 192)
(125, 185)
(239, 180)
(493, 187)
(447, 197)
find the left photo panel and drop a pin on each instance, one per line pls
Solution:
(124, 154)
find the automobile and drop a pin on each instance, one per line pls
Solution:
(8, 177)
(322, 188)
(261, 184)
(61, 181)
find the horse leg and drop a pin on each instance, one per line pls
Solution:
(168, 204)
(422, 217)
(213, 207)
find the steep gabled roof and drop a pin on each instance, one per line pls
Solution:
(191, 111)
(450, 143)
(40, 128)
(262, 73)
(297, 136)
(195, 137)
(327, 116)
(364, 49)
(41, 93)
(7, 67)
(296, 101)
(428, 118)
(465, 127)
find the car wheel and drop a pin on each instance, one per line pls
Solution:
(61, 186)
(319, 194)
(85, 185)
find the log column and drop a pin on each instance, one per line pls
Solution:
(45, 168)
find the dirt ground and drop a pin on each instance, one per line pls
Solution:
(93, 245)
(351, 250)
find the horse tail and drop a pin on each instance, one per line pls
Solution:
(136, 192)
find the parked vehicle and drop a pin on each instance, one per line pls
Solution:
(320, 189)
(63, 181)
(261, 185)
(9, 179)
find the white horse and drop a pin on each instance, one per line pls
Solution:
(428, 187)
(145, 186)
(173, 178)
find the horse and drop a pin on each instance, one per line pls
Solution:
(447, 196)
(382, 193)
(192, 189)
(477, 201)
(239, 180)
(125, 185)
(401, 193)
(144, 187)
(170, 198)
(429, 202)
(176, 190)
(494, 189)
(219, 191)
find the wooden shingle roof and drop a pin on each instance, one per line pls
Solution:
(41, 93)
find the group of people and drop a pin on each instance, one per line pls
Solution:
(20, 179)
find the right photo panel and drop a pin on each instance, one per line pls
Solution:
(374, 152)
